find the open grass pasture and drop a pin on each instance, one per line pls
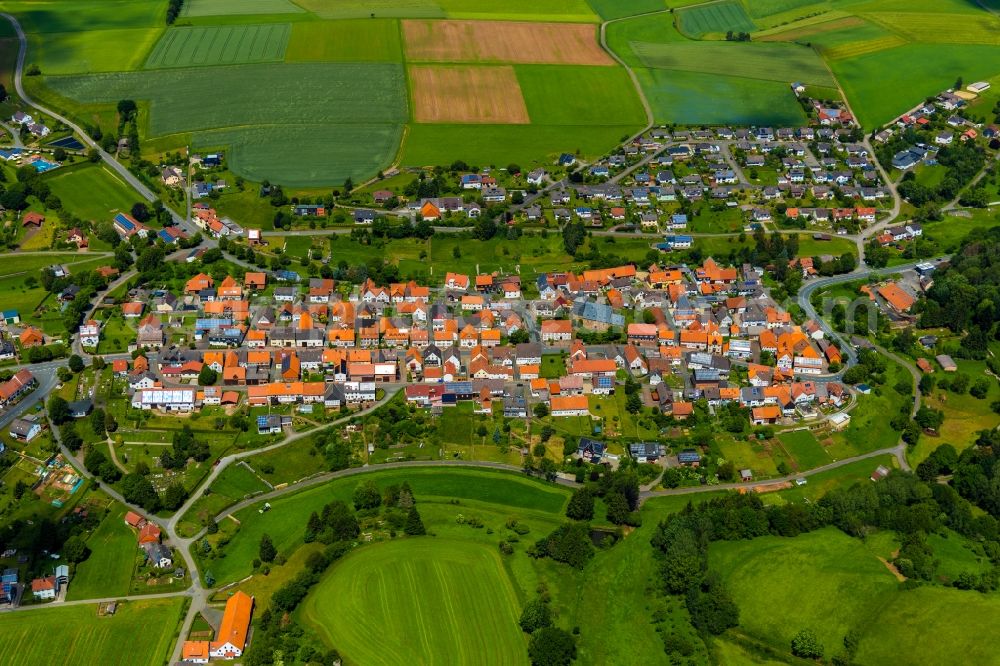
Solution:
(108, 570)
(286, 520)
(771, 62)
(91, 192)
(764, 8)
(570, 95)
(823, 580)
(306, 155)
(86, 15)
(655, 29)
(348, 40)
(714, 18)
(448, 601)
(92, 51)
(882, 85)
(435, 144)
(197, 8)
(140, 633)
(220, 45)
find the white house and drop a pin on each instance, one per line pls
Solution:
(90, 333)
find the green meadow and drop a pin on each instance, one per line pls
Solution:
(140, 633)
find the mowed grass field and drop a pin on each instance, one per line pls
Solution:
(220, 45)
(446, 601)
(286, 520)
(92, 192)
(93, 51)
(108, 570)
(140, 633)
(348, 40)
(714, 18)
(832, 583)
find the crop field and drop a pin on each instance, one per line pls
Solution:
(773, 62)
(935, 27)
(286, 520)
(94, 51)
(656, 29)
(349, 40)
(881, 85)
(447, 601)
(862, 47)
(467, 95)
(613, 9)
(306, 155)
(193, 8)
(691, 98)
(558, 95)
(569, 11)
(220, 45)
(380, 8)
(763, 8)
(108, 570)
(503, 41)
(238, 95)
(805, 30)
(714, 18)
(91, 192)
(140, 633)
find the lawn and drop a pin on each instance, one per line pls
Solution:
(23, 263)
(714, 18)
(91, 192)
(447, 601)
(108, 570)
(220, 45)
(349, 40)
(140, 633)
(286, 520)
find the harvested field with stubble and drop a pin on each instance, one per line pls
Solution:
(503, 41)
(467, 95)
